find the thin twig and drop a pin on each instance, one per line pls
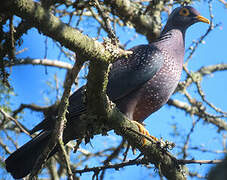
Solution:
(108, 27)
(111, 166)
(185, 147)
(18, 124)
(184, 161)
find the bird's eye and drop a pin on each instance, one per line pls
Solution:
(184, 12)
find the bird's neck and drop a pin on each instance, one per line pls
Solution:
(169, 27)
(173, 40)
(173, 34)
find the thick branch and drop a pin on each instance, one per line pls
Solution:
(156, 155)
(48, 24)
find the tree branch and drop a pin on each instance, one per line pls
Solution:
(49, 24)
(45, 62)
(146, 24)
(218, 172)
(184, 161)
(221, 124)
(111, 166)
(18, 124)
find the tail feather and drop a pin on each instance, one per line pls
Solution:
(21, 162)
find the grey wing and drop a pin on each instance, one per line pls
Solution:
(129, 74)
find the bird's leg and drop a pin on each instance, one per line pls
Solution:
(144, 131)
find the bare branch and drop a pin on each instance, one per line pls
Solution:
(33, 107)
(212, 68)
(107, 26)
(49, 24)
(184, 161)
(18, 124)
(221, 124)
(44, 62)
(185, 147)
(114, 166)
(132, 12)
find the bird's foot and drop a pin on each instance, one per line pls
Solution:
(145, 132)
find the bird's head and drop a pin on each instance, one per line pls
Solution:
(185, 16)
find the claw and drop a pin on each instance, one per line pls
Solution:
(144, 131)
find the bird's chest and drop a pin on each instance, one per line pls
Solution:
(158, 90)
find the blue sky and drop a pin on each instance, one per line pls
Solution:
(29, 84)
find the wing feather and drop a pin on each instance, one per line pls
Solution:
(129, 74)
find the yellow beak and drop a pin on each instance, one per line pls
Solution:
(202, 19)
